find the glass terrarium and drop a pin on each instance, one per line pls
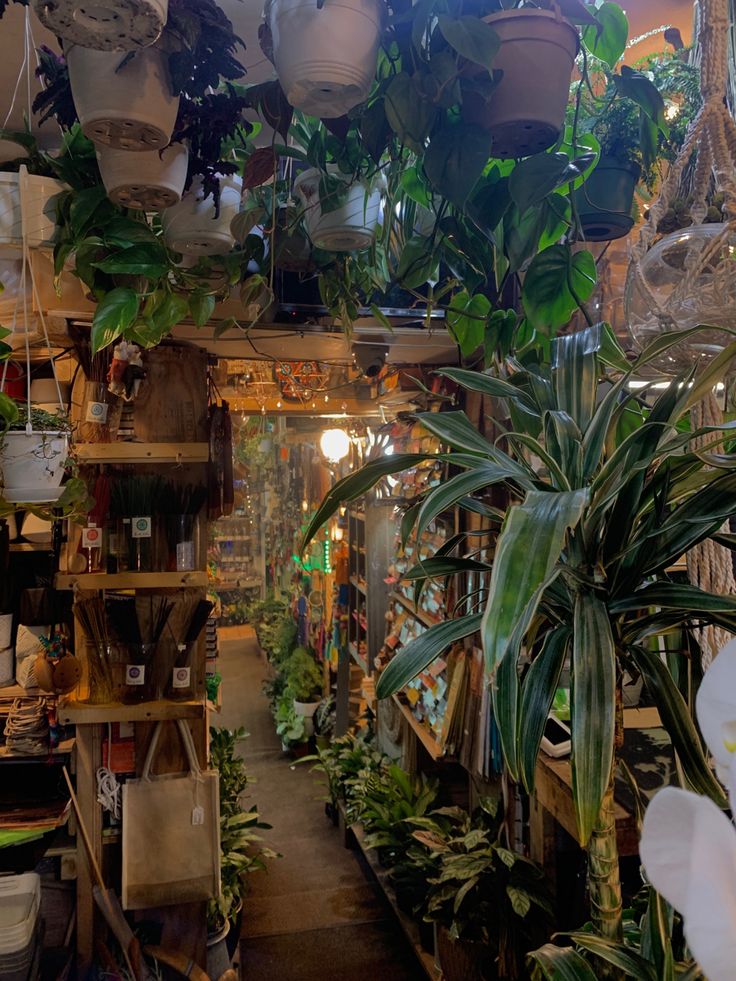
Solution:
(685, 280)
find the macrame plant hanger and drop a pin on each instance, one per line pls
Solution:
(712, 134)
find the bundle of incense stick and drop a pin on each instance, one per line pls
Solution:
(91, 616)
(153, 614)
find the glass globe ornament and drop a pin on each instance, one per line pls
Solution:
(686, 280)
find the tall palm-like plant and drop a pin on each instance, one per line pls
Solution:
(607, 494)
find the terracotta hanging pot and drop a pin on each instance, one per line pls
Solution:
(193, 228)
(106, 25)
(148, 181)
(325, 55)
(126, 106)
(604, 202)
(526, 111)
(350, 227)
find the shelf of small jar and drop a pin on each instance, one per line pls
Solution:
(120, 452)
(73, 712)
(130, 580)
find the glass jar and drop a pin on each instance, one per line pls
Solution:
(181, 686)
(138, 670)
(182, 536)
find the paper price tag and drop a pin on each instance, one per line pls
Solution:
(135, 674)
(91, 537)
(96, 412)
(180, 677)
(140, 527)
(197, 815)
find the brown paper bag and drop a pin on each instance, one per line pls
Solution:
(171, 833)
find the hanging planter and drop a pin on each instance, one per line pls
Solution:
(348, 228)
(605, 201)
(32, 465)
(193, 228)
(115, 25)
(325, 54)
(27, 196)
(123, 101)
(149, 181)
(526, 111)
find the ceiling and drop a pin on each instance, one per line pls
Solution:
(644, 15)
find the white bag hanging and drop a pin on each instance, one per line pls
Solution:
(171, 832)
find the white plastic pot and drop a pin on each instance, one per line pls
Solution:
(106, 25)
(192, 228)
(349, 228)
(307, 709)
(33, 466)
(149, 181)
(325, 56)
(129, 109)
(31, 198)
(526, 111)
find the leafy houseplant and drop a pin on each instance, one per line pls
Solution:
(241, 852)
(324, 721)
(484, 894)
(387, 807)
(303, 676)
(290, 727)
(621, 497)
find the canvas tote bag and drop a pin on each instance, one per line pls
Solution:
(171, 832)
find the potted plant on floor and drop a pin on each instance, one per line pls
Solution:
(324, 722)
(387, 805)
(304, 684)
(291, 728)
(240, 848)
(491, 904)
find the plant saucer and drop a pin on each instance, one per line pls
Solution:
(32, 495)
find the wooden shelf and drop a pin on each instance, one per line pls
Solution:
(81, 713)
(360, 586)
(424, 735)
(130, 580)
(420, 615)
(142, 452)
(31, 547)
(408, 925)
(358, 658)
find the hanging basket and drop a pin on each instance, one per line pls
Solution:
(148, 181)
(127, 108)
(605, 201)
(192, 227)
(349, 228)
(32, 466)
(106, 25)
(526, 111)
(33, 198)
(325, 55)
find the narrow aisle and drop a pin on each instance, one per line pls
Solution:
(314, 916)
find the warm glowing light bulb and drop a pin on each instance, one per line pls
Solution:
(305, 505)
(335, 444)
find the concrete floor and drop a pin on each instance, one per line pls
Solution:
(315, 915)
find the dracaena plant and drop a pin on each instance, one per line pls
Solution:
(606, 494)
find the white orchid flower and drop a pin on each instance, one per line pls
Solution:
(688, 845)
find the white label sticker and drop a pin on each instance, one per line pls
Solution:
(96, 412)
(141, 527)
(92, 537)
(197, 815)
(135, 674)
(180, 677)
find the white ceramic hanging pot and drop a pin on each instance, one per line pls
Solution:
(106, 25)
(31, 197)
(192, 227)
(325, 55)
(526, 111)
(129, 107)
(32, 466)
(350, 227)
(148, 181)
